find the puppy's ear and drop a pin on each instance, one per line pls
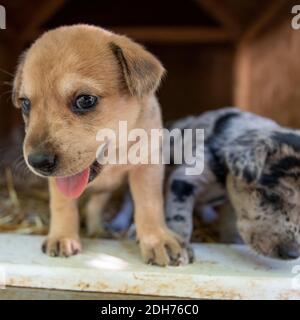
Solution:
(141, 71)
(246, 156)
(18, 79)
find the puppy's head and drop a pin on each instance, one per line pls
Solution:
(72, 82)
(264, 188)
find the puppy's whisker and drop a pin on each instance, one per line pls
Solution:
(23, 174)
(5, 93)
(6, 72)
(19, 166)
(21, 170)
(19, 161)
(6, 84)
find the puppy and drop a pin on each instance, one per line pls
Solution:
(256, 164)
(72, 82)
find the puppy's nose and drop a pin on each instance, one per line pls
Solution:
(43, 162)
(288, 251)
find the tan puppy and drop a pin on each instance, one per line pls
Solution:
(72, 82)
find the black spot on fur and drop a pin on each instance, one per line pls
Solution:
(269, 180)
(182, 190)
(281, 170)
(223, 123)
(248, 175)
(217, 166)
(178, 218)
(290, 139)
(242, 156)
(286, 164)
(217, 162)
(271, 199)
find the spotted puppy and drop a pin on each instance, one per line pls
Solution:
(256, 163)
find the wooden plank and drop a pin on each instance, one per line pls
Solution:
(41, 13)
(173, 34)
(106, 266)
(8, 57)
(20, 293)
(264, 19)
(219, 10)
(243, 61)
(169, 34)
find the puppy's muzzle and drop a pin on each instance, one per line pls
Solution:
(43, 163)
(288, 251)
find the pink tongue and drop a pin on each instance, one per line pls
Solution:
(73, 186)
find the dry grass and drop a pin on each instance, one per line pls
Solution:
(205, 232)
(24, 209)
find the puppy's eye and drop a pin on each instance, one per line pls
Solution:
(25, 105)
(84, 103)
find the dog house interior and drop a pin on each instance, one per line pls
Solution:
(217, 53)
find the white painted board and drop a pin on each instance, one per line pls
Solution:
(220, 271)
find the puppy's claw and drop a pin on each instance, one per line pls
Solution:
(186, 257)
(61, 247)
(190, 253)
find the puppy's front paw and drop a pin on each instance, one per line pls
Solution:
(163, 247)
(187, 256)
(61, 247)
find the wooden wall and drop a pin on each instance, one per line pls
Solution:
(195, 49)
(8, 57)
(199, 78)
(196, 41)
(267, 73)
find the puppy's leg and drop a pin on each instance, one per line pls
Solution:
(63, 238)
(180, 202)
(179, 207)
(158, 244)
(94, 209)
(182, 192)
